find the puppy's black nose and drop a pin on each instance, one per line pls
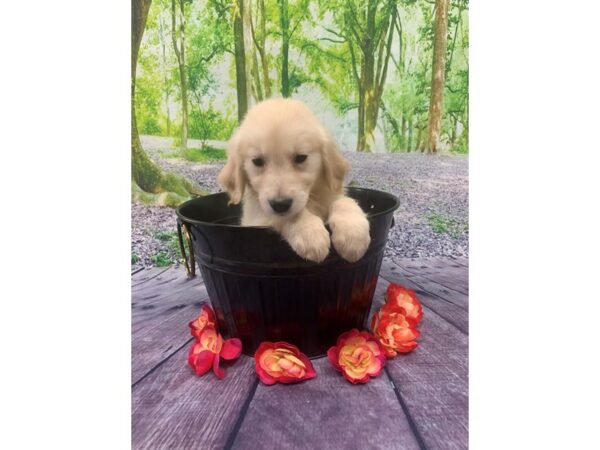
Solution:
(280, 205)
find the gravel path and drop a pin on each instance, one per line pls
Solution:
(432, 219)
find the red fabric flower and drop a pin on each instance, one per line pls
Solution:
(280, 362)
(357, 355)
(209, 348)
(405, 298)
(394, 329)
(205, 319)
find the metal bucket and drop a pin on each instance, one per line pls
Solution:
(262, 291)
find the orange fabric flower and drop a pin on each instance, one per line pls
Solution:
(280, 362)
(357, 355)
(396, 332)
(209, 348)
(405, 298)
(205, 319)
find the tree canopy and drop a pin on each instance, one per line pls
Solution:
(365, 67)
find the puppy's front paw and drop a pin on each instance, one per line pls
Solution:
(311, 240)
(350, 237)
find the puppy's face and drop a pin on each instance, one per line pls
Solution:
(282, 169)
(281, 152)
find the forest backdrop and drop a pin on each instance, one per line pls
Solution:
(383, 75)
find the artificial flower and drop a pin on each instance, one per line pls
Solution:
(209, 348)
(405, 298)
(394, 329)
(357, 355)
(280, 362)
(205, 319)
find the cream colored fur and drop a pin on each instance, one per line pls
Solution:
(275, 132)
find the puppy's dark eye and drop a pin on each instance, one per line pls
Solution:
(258, 162)
(299, 159)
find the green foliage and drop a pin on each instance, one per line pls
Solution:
(324, 64)
(147, 104)
(134, 258)
(205, 154)
(161, 259)
(448, 225)
(210, 124)
(171, 239)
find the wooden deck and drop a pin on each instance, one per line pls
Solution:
(420, 401)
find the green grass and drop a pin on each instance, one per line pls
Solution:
(134, 258)
(206, 154)
(165, 236)
(171, 239)
(448, 225)
(161, 259)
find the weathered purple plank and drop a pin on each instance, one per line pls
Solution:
(461, 260)
(447, 273)
(430, 265)
(147, 275)
(173, 408)
(160, 315)
(446, 309)
(433, 382)
(326, 412)
(392, 272)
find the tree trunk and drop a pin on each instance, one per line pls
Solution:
(285, 47)
(376, 38)
(403, 133)
(166, 89)
(179, 46)
(258, 91)
(419, 137)
(240, 60)
(453, 134)
(265, 71)
(261, 50)
(366, 141)
(410, 134)
(144, 172)
(248, 46)
(437, 74)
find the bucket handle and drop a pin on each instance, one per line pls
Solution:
(190, 266)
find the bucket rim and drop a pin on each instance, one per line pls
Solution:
(186, 219)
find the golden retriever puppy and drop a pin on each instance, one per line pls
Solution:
(286, 170)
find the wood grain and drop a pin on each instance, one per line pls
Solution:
(460, 260)
(451, 275)
(393, 272)
(326, 412)
(160, 315)
(147, 275)
(433, 382)
(442, 306)
(173, 408)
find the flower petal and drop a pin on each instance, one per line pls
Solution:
(232, 349)
(282, 362)
(201, 362)
(219, 372)
(406, 298)
(406, 347)
(333, 356)
(210, 314)
(264, 376)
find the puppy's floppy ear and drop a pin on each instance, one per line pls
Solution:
(233, 178)
(335, 166)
